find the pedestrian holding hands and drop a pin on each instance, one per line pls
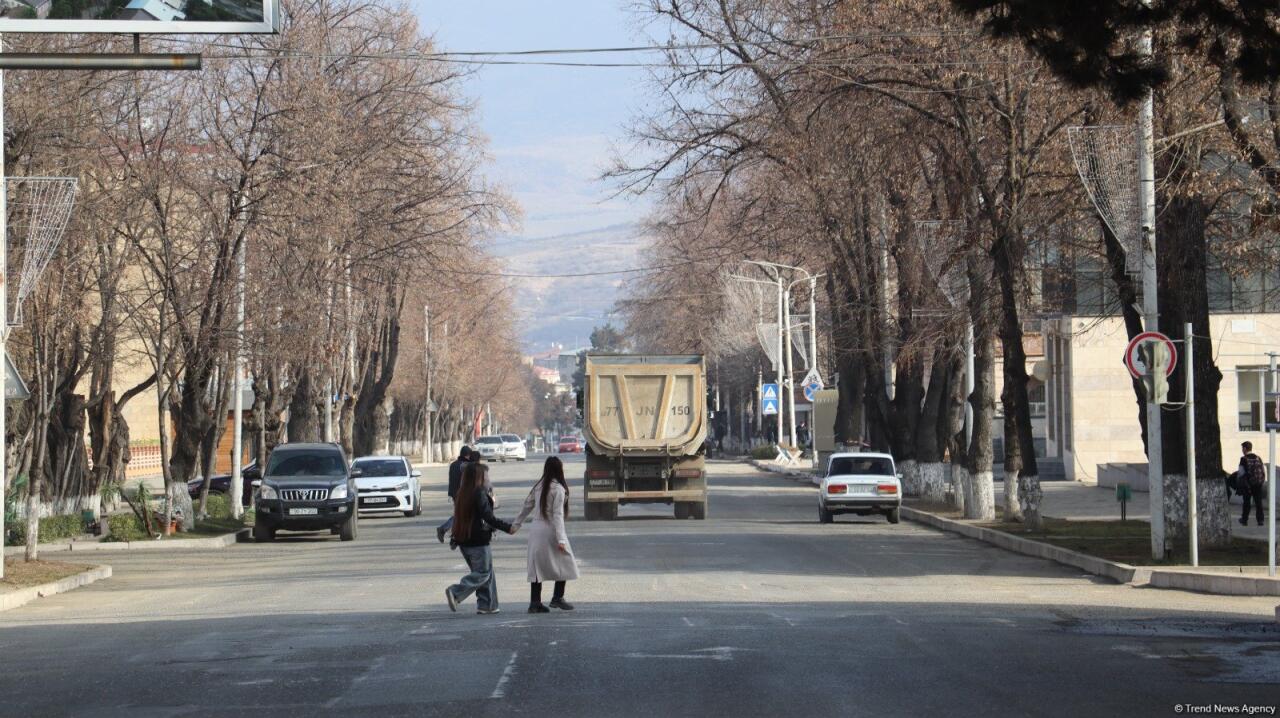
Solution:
(473, 527)
(550, 556)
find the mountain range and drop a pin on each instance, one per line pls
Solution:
(564, 310)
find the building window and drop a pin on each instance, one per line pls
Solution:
(1250, 395)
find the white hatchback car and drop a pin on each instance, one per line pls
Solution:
(491, 448)
(513, 447)
(387, 484)
(860, 483)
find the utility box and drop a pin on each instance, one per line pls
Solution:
(825, 404)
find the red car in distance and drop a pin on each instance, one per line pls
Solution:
(569, 445)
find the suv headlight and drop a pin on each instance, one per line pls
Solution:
(402, 486)
(338, 492)
(267, 491)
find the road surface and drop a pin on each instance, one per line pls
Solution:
(758, 611)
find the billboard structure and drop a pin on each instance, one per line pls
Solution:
(168, 17)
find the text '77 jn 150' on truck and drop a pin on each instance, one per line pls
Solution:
(644, 419)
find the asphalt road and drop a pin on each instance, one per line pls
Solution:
(758, 611)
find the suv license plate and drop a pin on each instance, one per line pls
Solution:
(376, 500)
(303, 512)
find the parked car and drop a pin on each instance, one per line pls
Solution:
(860, 483)
(569, 445)
(491, 448)
(306, 487)
(221, 484)
(513, 447)
(387, 484)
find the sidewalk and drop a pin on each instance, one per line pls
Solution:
(1074, 500)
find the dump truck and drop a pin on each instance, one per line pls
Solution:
(644, 420)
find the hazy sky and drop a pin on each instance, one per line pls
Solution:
(550, 129)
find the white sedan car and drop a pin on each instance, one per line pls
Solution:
(387, 484)
(860, 483)
(513, 447)
(491, 448)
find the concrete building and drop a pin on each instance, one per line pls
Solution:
(1092, 415)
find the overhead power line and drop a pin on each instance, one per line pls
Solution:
(447, 54)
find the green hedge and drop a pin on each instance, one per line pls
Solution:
(125, 527)
(218, 506)
(764, 452)
(52, 528)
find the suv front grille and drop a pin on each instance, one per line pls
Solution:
(304, 494)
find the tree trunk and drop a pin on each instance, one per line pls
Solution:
(304, 423)
(1020, 451)
(979, 494)
(1184, 298)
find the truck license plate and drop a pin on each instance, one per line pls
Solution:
(303, 512)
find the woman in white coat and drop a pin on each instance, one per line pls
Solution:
(550, 555)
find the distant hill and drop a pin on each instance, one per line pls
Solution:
(564, 310)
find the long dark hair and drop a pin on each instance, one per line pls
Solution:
(464, 504)
(553, 470)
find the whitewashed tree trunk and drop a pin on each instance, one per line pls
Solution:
(933, 481)
(180, 500)
(910, 477)
(1012, 510)
(959, 485)
(1030, 496)
(1214, 515)
(980, 498)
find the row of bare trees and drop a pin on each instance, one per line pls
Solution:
(924, 168)
(316, 176)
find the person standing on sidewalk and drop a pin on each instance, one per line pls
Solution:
(455, 480)
(473, 526)
(1252, 482)
(550, 555)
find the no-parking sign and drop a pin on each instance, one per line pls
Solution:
(1136, 363)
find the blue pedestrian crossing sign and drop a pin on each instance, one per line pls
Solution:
(768, 399)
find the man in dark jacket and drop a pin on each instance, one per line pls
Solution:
(1251, 480)
(455, 479)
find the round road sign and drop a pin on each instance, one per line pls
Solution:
(1134, 362)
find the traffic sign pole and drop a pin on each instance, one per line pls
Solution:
(1193, 518)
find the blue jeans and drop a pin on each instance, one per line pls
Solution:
(480, 581)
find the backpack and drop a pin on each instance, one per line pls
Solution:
(1256, 472)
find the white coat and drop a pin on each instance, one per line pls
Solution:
(546, 561)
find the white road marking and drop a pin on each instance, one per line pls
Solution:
(719, 653)
(687, 622)
(500, 690)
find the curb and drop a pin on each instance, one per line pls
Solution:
(213, 542)
(23, 596)
(1118, 572)
(1224, 585)
(1219, 584)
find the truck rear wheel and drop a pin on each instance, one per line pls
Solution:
(698, 510)
(609, 511)
(682, 510)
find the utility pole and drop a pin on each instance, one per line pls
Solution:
(237, 429)
(968, 385)
(4, 316)
(813, 324)
(781, 406)
(427, 450)
(791, 394)
(1193, 518)
(1150, 305)
(1271, 470)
